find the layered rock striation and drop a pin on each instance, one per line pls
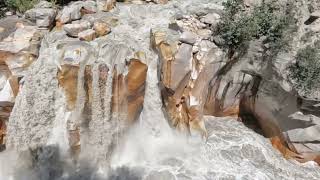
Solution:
(81, 77)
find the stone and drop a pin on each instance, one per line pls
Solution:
(69, 13)
(181, 65)
(213, 19)
(218, 40)
(6, 94)
(68, 79)
(87, 35)
(106, 5)
(9, 13)
(43, 17)
(188, 37)
(204, 33)
(302, 135)
(90, 6)
(157, 37)
(136, 80)
(5, 111)
(313, 17)
(101, 28)
(43, 4)
(19, 40)
(75, 28)
(20, 49)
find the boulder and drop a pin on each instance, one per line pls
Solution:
(75, 28)
(6, 94)
(184, 82)
(106, 5)
(188, 37)
(90, 6)
(43, 4)
(101, 28)
(9, 25)
(43, 17)
(212, 19)
(20, 49)
(5, 111)
(87, 35)
(69, 13)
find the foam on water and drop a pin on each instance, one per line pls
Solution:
(151, 150)
(232, 152)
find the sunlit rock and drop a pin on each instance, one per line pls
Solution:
(87, 35)
(183, 100)
(43, 17)
(101, 28)
(136, 80)
(188, 37)
(75, 28)
(70, 13)
(68, 80)
(212, 18)
(20, 49)
(106, 5)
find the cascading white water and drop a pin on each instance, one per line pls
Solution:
(59, 134)
(151, 150)
(232, 152)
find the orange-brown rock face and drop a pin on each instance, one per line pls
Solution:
(128, 91)
(68, 80)
(87, 109)
(135, 80)
(109, 5)
(119, 94)
(5, 110)
(279, 144)
(182, 92)
(258, 117)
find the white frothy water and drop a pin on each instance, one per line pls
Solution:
(232, 152)
(59, 133)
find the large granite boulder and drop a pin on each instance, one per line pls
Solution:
(43, 14)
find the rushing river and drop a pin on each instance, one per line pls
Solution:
(151, 150)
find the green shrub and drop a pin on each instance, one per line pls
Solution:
(24, 5)
(2, 9)
(306, 71)
(238, 26)
(21, 5)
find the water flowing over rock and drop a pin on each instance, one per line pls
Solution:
(142, 90)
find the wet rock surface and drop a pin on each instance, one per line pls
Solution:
(101, 81)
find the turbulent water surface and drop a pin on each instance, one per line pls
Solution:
(150, 150)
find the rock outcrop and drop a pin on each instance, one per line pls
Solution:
(198, 78)
(77, 78)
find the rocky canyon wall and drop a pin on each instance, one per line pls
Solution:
(81, 77)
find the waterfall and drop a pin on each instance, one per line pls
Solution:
(84, 112)
(59, 133)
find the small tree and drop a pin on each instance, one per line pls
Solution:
(238, 27)
(306, 71)
(21, 5)
(24, 5)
